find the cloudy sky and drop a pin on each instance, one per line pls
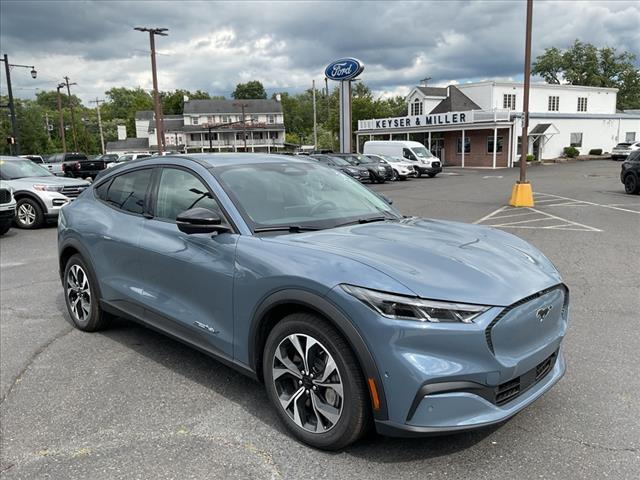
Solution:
(214, 45)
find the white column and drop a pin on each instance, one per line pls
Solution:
(357, 144)
(463, 148)
(201, 142)
(235, 139)
(495, 145)
(391, 136)
(252, 148)
(407, 136)
(510, 156)
(429, 140)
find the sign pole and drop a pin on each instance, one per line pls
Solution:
(344, 71)
(522, 193)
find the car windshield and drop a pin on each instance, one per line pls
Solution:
(622, 145)
(301, 195)
(422, 152)
(13, 169)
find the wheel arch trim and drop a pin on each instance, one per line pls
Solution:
(335, 316)
(20, 194)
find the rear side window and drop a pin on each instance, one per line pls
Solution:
(127, 191)
(102, 189)
(634, 156)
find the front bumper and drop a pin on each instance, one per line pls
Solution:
(450, 377)
(429, 168)
(7, 213)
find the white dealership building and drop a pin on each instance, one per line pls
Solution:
(480, 124)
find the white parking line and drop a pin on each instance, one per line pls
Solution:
(559, 223)
(585, 202)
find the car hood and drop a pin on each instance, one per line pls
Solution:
(52, 180)
(442, 260)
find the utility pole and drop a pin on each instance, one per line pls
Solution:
(73, 117)
(46, 125)
(97, 101)
(522, 193)
(315, 126)
(244, 123)
(156, 95)
(12, 108)
(62, 135)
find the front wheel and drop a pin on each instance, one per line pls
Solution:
(315, 383)
(631, 185)
(29, 215)
(418, 173)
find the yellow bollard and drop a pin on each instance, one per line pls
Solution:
(521, 195)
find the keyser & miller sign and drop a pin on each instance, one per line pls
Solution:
(450, 118)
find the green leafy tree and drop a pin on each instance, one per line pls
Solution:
(173, 102)
(249, 90)
(123, 103)
(585, 64)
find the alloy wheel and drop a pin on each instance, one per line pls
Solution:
(26, 214)
(78, 293)
(308, 383)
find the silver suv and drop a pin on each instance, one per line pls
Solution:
(38, 193)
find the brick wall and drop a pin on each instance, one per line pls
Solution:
(479, 156)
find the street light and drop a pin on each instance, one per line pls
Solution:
(11, 105)
(156, 95)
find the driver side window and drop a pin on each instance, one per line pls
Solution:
(406, 153)
(179, 190)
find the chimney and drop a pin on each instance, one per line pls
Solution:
(122, 132)
(185, 98)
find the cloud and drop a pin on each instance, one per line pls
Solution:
(213, 46)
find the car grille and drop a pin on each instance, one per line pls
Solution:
(510, 390)
(435, 164)
(5, 195)
(73, 191)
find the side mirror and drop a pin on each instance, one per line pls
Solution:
(200, 220)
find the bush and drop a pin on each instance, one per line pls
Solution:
(530, 158)
(595, 151)
(571, 152)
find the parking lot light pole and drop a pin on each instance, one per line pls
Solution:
(11, 105)
(522, 193)
(62, 136)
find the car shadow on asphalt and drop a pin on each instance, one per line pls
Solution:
(251, 397)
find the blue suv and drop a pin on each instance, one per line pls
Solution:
(350, 314)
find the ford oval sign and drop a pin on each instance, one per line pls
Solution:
(344, 69)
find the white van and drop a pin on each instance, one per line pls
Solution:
(423, 160)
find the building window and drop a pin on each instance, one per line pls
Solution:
(554, 103)
(490, 144)
(225, 119)
(273, 135)
(467, 145)
(416, 107)
(630, 137)
(194, 137)
(271, 119)
(509, 101)
(582, 104)
(576, 139)
(194, 120)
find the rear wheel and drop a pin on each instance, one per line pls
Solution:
(631, 185)
(315, 383)
(81, 296)
(28, 214)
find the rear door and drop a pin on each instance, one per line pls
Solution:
(188, 279)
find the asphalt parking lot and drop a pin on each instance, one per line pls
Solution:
(130, 403)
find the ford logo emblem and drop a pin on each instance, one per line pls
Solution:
(344, 69)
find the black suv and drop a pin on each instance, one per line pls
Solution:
(378, 172)
(359, 173)
(78, 165)
(630, 173)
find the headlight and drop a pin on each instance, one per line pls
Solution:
(413, 308)
(352, 170)
(47, 188)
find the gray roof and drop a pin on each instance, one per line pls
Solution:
(172, 123)
(129, 144)
(539, 129)
(144, 115)
(455, 102)
(227, 106)
(433, 91)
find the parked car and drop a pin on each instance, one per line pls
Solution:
(127, 157)
(39, 194)
(630, 173)
(423, 160)
(34, 158)
(7, 207)
(306, 280)
(108, 157)
(402, 169)
(359, 173)
(622, 150)
(73, 164)
(378, 172)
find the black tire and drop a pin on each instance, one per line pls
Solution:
(631, 185)
(29, 214)
(354, 417)
(395, 176)
(431, 175)
(418, 173)
(4, 227)
(96, 318)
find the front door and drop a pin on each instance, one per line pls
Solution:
(189, 278)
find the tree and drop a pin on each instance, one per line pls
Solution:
(585, 64)
(250, 90)
(173, 102)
